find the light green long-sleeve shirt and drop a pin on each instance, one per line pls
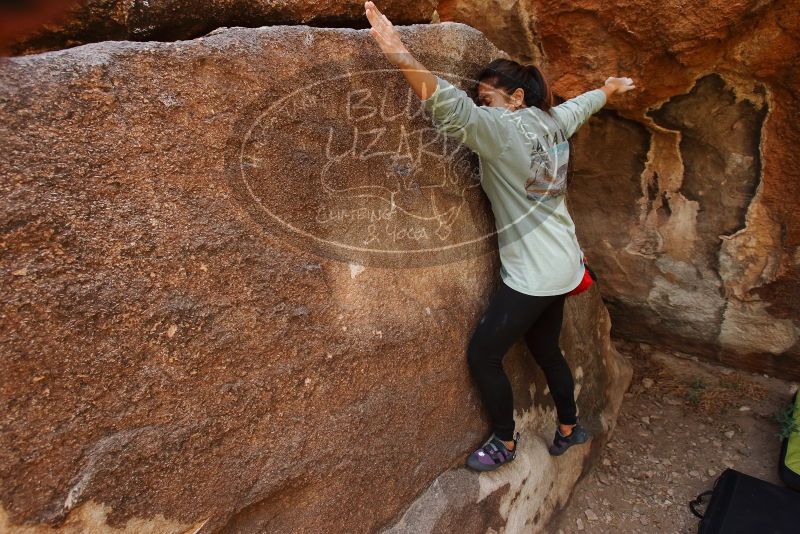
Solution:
(523, 162)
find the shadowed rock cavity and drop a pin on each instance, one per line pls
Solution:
(608, 204)
(656, 239)
(719, 150)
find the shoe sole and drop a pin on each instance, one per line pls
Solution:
(584, 440)
(484, 469)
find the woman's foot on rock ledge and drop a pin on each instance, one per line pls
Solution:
(493, 454)
(561, 443)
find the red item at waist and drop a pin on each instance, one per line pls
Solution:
(585, 283)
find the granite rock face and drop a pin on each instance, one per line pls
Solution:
(232, 300)
(685, 189)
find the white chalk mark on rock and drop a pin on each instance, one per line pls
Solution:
(355, 269)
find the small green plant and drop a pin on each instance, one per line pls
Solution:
(730, 384)
(786, 421)
(695, 392)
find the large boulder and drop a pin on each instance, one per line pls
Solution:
(684, 190)
(239, 275)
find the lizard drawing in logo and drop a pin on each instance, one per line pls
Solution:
(548, 172)
(420, 174)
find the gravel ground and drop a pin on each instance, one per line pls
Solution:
(682, 422)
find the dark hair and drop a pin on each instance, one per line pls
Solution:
(510, 75)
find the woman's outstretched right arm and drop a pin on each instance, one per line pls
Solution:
(452, 111)
(419, 78)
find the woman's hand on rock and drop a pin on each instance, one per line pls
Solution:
(386, 36)
(620, 85)
(422, 81)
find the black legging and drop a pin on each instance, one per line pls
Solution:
(509, 316)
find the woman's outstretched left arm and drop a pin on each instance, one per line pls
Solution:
(577, 110)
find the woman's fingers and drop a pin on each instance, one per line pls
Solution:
(372, 6)
(375, 17)
(379, 32)
(386, 35)
(371, 16)
(375, 20)
(378, 36)
(621, 85)
(629, 84)
(383, 30)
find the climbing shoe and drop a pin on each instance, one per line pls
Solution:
(492, 454)
(562, 443)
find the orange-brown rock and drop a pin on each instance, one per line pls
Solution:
(89, 21)
(211, 320)
(700, 246)
(685, 190)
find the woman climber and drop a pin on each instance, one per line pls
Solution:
(521, 141)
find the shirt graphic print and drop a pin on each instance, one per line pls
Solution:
(548, 172)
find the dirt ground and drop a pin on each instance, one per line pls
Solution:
(682, 422)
